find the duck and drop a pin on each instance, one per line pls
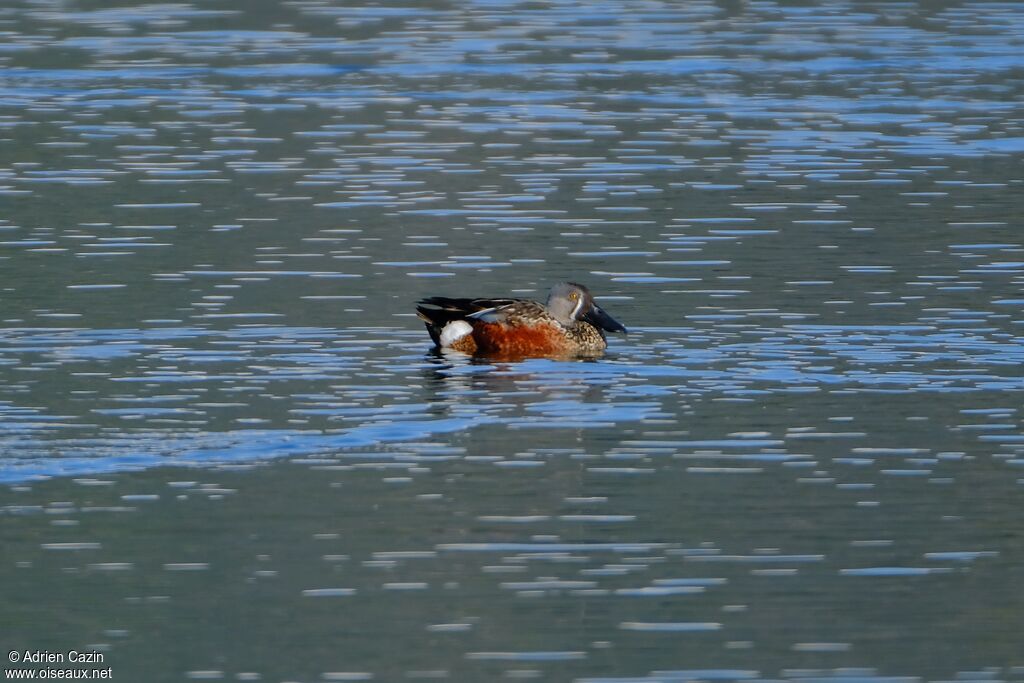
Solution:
(569, 323)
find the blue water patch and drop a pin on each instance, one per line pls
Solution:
(893, 571)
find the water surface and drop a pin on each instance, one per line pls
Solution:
(229, 454)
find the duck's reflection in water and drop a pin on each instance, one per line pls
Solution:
(577, 392)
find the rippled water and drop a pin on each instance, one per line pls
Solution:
(229, 453)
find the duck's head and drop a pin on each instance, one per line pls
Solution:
(569, 302)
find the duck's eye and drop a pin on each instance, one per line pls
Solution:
(574, 296)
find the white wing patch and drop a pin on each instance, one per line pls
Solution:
(454, 331)
(488, 315)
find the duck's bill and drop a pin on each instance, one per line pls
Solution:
(598, 318)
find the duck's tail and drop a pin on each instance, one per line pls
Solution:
(437, 312)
